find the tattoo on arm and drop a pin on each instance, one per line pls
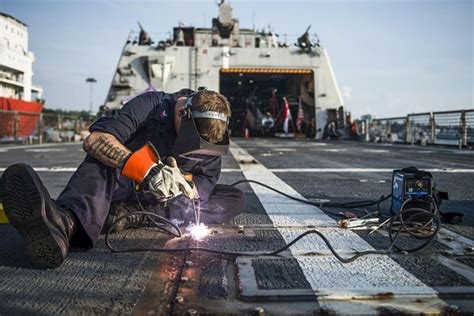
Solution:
(108, 152)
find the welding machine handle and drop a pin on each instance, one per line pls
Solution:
(411, 169)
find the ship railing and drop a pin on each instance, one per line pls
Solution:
(36, 128)
(443, 128)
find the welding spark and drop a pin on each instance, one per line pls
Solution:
(198, 232)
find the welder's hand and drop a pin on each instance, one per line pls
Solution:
(167, 181)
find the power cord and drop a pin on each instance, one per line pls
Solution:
(352, 204)
(408, 225)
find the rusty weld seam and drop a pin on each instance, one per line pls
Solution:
(177, 282)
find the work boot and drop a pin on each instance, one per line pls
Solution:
(122, 208)
(45, 228)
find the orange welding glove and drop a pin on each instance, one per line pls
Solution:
(164, 181)
(139, 164)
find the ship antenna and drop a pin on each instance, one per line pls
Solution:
(253, 20)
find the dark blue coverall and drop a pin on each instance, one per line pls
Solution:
(94, 186)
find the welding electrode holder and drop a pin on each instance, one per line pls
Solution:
(196, 208)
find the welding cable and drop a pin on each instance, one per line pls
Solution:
(236, 253)
(393, 237)
(404, 224)
(349, 205)
(415, 232)
(389, 250)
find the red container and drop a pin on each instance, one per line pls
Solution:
(26, 117)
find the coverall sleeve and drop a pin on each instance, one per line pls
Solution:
(206, 175)
(126, 121)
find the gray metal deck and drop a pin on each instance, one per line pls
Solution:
(440, 278)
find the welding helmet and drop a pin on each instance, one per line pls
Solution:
(188, 140)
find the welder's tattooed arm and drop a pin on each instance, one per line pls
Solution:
(106, 148)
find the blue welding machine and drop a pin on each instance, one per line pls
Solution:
(412, 188)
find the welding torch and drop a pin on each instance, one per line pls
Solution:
(196, 203)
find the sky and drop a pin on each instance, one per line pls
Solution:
(390, 58)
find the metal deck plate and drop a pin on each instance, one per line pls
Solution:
(96, 281)
(213, 281)
(276, 279)
(251, 241)
(366, 278)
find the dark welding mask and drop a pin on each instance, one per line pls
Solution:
(189, 142)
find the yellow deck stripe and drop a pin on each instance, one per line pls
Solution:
(3, 217)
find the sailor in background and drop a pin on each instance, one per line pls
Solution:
(127, 148)
(307, 98)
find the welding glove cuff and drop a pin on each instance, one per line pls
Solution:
(139, 164)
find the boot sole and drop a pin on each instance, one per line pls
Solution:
(24, 205)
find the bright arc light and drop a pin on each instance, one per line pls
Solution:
(198, 232)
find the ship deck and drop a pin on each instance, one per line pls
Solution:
(438, 279)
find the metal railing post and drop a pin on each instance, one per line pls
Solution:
(409, 137)
(366, 127)
(388, 131)
(433, 128)
(40, 135)
(463, 130)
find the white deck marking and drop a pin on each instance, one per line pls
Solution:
(328, 277)
(376, 151)
(284, 149)
(51, 169)
(39, 145)
(45, 150)
(335, 150)
(368, 170)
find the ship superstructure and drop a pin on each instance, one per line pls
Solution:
(20, 99)
(254, 69)
(16, 61)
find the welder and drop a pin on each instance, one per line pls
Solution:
(149, 145)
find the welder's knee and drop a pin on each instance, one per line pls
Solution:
(240, 201)
(223, 204)
(234, 202)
